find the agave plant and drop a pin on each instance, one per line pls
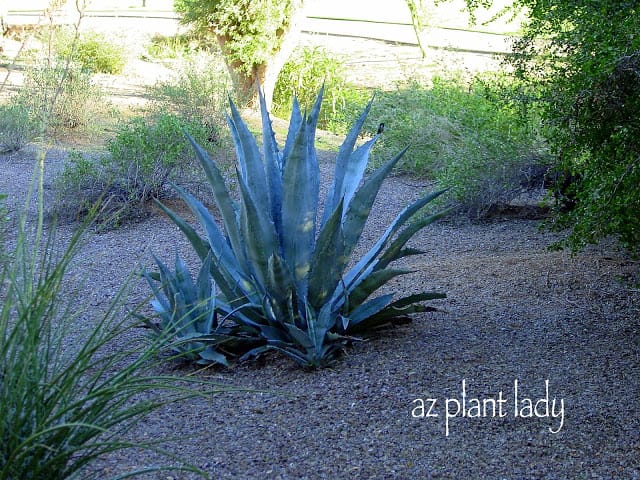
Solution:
(189, 317)
(280, 268)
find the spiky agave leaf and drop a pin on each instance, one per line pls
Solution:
(187, 312)
(343, 175)
(299, 206)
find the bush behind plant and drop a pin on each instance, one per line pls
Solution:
(605, 160)
(571, 51)
(60, 95)
(179, 46)
(93, 51)
(198, 92)
(17, 126)
(470, 136)
(308, 69)
(143, 157)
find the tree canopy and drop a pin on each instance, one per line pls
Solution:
(255, 35)
(582, 57)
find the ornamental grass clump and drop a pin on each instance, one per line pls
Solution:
(69, 396)
(283, 276)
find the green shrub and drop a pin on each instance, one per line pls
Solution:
(198, 92)
(179, 46)
(141, 159)
(60, 95)
(467, 136)
(572, 51)
(79, 185)
(17, 127)
(604, 159)
(92, 51)
(145, 154)
(67, 397)
(308, 69)
(286, 281)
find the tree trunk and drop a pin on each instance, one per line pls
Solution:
(264, 74)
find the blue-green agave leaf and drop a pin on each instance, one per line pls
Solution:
(211, 355)
(184, 283)
(355, 170)
(233, 291)
(337, 189)
(272, 166)
(299, 208)
(357, 211)
(415, 298)
(207, 297)
(398, 309)
(219, 244)
(295, 122)
(290, 351)
(254, 352)
(247, 315)
(166, 280)
(223, 200)
(314, 115)
(369, 309)
(300, 336)
(251, 164)
(259, 236)
(200, 245)
(328, 261)
(161, 301)
(205, 291)
(364, 265)
(280, 283)
(372, 283)
(328, 317)
(312, 124)
(273, 334)
(396, 250)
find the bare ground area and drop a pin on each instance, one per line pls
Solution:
(563, 328)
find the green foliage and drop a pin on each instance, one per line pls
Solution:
(605, 153)
(142, 158)
(198, 92)
(571, 51)
(67, 397)
(469, 136)
(60, 94)
(92, 51)
(144, 154)
(4, 219)
(189, 315)
(251, 31)
(177, 47)
(306, 71)
(17, 127)
(285, 277)
(79, 185)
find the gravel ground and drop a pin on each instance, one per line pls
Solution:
(564, 328)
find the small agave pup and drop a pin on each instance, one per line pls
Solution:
(279, 270)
